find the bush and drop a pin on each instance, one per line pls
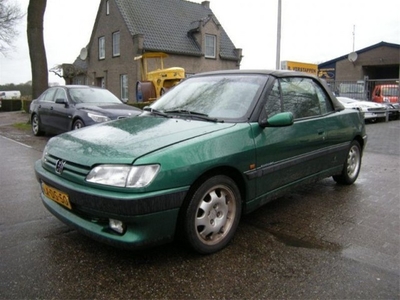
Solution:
(25, 105)
(10, 105)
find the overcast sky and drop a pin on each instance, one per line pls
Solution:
(313, 31)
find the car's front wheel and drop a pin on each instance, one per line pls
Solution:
(212, 214)
(352, 165)
(78, 124)
(36, 127)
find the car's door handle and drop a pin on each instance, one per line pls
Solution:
(51, 108)
(321, 133)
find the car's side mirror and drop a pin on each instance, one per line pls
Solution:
(278, 120)
(62, 101)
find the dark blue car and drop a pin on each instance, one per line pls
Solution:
(64, 108)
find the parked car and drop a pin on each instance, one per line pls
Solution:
(217, 146)
(370, 110)
(386, 93)
(64, 108)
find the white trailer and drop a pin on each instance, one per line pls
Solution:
(10, 95)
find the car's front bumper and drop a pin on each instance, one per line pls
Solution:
(148, 219)
(373, 115)
(141, 231)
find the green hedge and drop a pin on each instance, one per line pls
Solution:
(25, 105)
(11, 105)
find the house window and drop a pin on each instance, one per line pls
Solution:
(115, 45)
(210, 45)
(102, 47)
(124, 87)
(107, 7)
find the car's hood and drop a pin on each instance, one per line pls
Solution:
(112, 110)
(351, 103)
(123, 141)
(371, 104)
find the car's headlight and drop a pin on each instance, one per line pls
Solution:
(363, 107)
(98, 118)
(123, 176)
(44, 154)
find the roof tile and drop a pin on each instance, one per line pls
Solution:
(165, 25)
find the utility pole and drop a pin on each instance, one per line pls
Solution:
(278, 37)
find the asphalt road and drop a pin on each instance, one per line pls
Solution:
(322, 241)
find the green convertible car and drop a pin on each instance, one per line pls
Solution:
(215, 147)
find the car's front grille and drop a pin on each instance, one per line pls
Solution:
(377, 109)
(66, 169)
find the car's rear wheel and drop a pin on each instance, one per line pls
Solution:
(212, 214)
(78, 124)
(352, 165)
(36, 127)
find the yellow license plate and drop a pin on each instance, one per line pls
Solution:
(56, 195)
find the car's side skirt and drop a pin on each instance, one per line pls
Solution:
(277, 166)
(279, 192)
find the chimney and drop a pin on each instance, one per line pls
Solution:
(206, 4)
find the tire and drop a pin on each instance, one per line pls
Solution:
(36, 127)
(78, 124)
(145, 91)
(212, 215)
(352, 165)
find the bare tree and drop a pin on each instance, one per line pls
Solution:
(37, 51)
(10, 14)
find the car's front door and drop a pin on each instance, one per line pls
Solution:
(45, 105)
(286, 155)
(62, 111)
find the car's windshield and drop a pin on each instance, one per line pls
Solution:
(92, 95)
(222, 97)
(390, 91)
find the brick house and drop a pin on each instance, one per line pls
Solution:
(378, 61)
(356, 74)
(188, 32)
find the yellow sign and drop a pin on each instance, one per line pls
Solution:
(299, 67)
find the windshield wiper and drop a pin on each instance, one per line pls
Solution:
(156, 112)
(189, 113)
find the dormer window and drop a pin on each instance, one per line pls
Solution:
(210, 46)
